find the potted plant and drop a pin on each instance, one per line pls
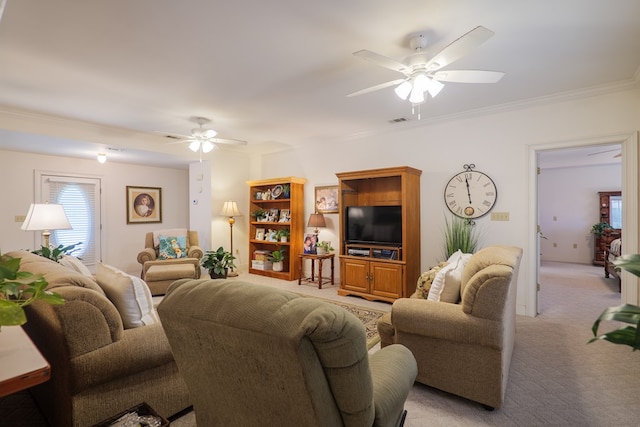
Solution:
(259, 214)
(626, 313)
(283, 234)
(19, 289)
(459, 234)
(286, 191)
(324, 247)
(277, 257)
(56, 253)
(599, 228)
(218, 263)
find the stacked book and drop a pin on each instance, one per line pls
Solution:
(261, 261)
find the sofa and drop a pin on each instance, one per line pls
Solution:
(463, 348)
(253, 355)
(98, 368)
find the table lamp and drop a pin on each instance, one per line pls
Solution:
(45, 217)
(316, 220)
(230, 209)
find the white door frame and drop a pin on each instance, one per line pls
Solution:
(630, 160)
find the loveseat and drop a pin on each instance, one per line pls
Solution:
(98, 368)
(463, 348)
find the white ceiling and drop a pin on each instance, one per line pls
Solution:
(275, 73)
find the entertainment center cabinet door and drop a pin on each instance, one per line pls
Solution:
(386, 279)
(354, 275)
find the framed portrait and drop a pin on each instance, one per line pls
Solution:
(285, 215)
(260, 234)
(310, 242)
(327, 199)
(144, 204)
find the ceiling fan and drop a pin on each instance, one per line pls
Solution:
(204, 140)
(423, 73)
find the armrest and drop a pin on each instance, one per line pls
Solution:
(444, 321)
(393, 371)
(195, 252)
(139, 350)
(146, 255)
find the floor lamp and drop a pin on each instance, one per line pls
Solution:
(230, 209)
(45, 217)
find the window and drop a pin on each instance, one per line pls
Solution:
(615, 211)
(80, 197)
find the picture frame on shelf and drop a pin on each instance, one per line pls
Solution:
(285, 215)
(144, 205)
(273, 215)
(310, 242)
(326, 199)
(259, 233)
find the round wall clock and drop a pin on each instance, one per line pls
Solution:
(470, 194)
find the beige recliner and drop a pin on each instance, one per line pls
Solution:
(160, 273)
(255, 355)
(464, 348)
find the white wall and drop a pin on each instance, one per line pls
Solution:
(121, 241)
(497, 143)
(569, 206)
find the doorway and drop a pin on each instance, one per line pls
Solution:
(629, 159)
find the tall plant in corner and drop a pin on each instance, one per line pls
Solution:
(459, 234)
(626, 313)
(19, 289)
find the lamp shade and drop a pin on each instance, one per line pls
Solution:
(46, 216)
(316, 220)
(230, 209)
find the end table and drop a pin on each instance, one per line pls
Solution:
(320, 259)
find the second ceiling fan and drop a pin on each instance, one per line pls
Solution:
(204, 140)
(424, 74)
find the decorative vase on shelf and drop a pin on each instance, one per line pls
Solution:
(278, 266)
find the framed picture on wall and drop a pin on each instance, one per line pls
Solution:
(144, 204)
(327, 199)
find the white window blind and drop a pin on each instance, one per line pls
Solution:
(80, 198)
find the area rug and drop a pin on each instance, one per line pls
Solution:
(368, 316)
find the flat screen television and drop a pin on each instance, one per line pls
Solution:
(380, 225)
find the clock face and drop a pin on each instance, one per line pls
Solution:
(470, 194)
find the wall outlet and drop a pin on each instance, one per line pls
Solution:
(499, 216)
(20, 218)
(575, 246)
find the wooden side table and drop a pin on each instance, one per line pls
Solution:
(21, 364)
(320, 259)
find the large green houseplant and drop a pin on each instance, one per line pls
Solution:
(459, 234)
(218, 262)
(626, 313)
(19, 289)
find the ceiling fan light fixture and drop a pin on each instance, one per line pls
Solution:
(417, 95)
(434, 87)
(194, 146)
(421, 83)
(207, 146)
(210, 133)
(403, 89)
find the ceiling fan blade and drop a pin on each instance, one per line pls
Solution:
(383, 61)
(228, 141)
(460, 47)
(468, 76)
(377, 87)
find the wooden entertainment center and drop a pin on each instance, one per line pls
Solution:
(379, 271)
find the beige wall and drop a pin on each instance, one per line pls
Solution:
(120, 241)
(497, 142)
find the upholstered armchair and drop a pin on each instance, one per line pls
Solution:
(464, 348)
(181, 259)
(255, 355)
